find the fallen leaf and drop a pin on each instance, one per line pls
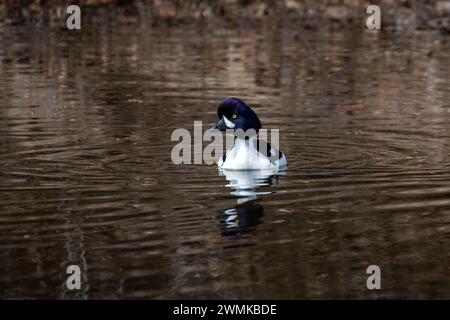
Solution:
(351, 107)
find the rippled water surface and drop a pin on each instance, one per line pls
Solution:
(86, 175)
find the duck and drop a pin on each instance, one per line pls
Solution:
(248, 152)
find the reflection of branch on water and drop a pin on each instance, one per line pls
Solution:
(76, 252)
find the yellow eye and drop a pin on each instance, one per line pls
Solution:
(234, 116)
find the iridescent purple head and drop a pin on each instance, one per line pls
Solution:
(234, 114)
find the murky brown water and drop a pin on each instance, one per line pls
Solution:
(87, 178)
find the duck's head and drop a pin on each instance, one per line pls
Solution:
(235, 114)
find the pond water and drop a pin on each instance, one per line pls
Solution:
(87, 178)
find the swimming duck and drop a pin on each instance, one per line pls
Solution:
(246, 153)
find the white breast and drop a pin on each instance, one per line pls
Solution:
(244, 156)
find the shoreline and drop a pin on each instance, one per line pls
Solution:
(325, 14)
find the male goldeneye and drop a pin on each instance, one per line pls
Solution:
(246, 153)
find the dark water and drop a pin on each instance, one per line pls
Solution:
(87, 179)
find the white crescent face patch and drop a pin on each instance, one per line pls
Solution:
(229, 124)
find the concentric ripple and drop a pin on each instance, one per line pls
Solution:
(86, 176)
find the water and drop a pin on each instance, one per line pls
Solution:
(87, 179)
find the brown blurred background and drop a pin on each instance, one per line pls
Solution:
(396, 15)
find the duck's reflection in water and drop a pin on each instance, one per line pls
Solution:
(247, 213)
